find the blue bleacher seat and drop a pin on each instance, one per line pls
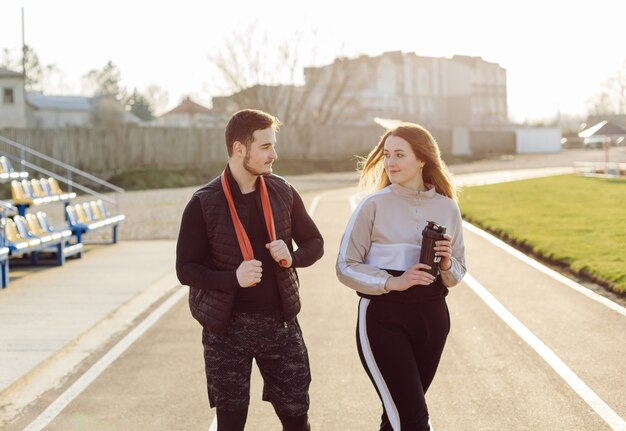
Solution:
(82, 219)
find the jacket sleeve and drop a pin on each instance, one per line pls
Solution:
(453, 275)
(355, 244)
(192, 249)
(306, 235)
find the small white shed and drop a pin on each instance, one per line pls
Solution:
(538, 140)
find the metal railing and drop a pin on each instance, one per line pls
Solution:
(600, 169)
(71, 176)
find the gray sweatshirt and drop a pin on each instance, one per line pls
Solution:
(385, 231)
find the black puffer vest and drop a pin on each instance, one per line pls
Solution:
(213, 307)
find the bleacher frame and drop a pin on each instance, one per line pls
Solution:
(49, 240)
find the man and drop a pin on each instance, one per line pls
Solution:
(242, 277)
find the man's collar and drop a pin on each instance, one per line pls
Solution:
(234, 186)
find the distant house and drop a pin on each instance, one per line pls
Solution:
(610, 132)
(15, 110)
(280, 100)
(21, 109)
(53, 112)
(189, 114)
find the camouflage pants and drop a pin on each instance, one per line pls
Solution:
(280, 354)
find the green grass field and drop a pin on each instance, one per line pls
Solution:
(574, 221)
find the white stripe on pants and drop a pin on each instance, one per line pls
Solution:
(390, 406)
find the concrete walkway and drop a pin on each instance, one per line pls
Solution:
(51, 319)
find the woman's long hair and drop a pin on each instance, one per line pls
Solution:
(424, 146)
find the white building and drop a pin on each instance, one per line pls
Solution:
(435, 91)
(14, 108)
(438, 92)
(21, 109)
(53, 112)
(537, 140)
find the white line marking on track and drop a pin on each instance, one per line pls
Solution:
(314, 203)
(92, 373)
(549, 272)
(584, 391)
(316, 200)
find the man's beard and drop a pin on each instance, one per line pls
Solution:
(247, 167)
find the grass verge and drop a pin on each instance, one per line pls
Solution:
(145, 179)
(576, 222)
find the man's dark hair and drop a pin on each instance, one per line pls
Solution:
(244, 123)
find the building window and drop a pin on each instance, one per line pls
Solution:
(7, 96)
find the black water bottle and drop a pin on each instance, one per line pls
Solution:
(431, 233)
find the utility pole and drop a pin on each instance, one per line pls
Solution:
(605, 143)
(23, 51)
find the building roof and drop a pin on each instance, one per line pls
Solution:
(603, 128)
(61, 103)
(188, 106)
(9, 73)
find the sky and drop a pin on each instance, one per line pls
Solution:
(557, 54)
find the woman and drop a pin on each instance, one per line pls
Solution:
(403, 318)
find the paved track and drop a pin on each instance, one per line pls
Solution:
(489, 379)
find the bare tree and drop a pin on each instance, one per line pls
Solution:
(105, 82)
(37, 74)
(7, 61)
(272, 77)
(157, 98)
(256, 75)
(107, 112)
(612, 98)
(54, 81)
(335, 90)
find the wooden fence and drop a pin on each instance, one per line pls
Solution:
(104, 152)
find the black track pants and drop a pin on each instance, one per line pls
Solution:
(236, 421)
(400, 345)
